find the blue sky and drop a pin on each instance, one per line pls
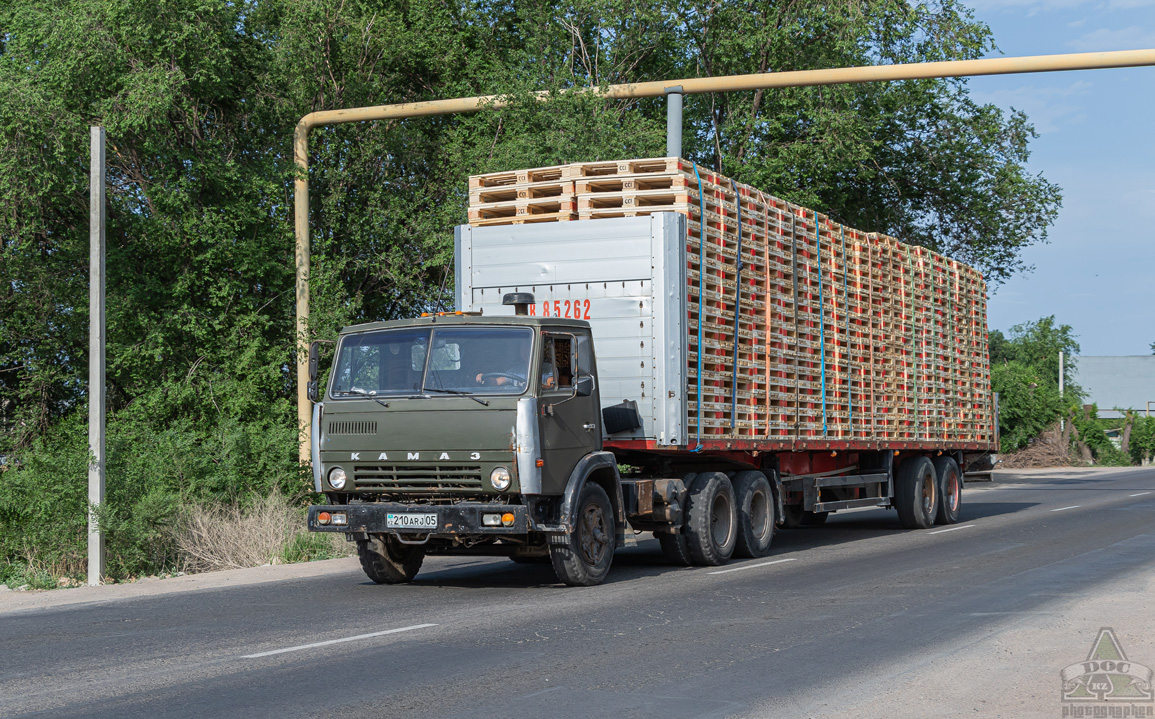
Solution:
(1096, 141)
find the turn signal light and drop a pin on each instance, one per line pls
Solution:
(507, 519)
(323, 518)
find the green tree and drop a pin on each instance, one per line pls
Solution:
(1025, 373)
(200, 97)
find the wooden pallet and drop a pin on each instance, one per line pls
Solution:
(841, 334)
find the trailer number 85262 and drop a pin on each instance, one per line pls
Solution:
(565, 309)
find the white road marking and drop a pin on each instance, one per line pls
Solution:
(337, 641)
(753, 566)
(940, 531)
(1063, 509)
(1140, 494)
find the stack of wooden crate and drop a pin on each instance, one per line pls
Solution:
(810, 330)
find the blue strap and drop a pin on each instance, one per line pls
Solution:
(846, 309)
(821, 319)
(701, 297)
(737, 311)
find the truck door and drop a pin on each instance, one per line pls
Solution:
(570, 427)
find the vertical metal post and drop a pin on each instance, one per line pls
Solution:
(674, 121)
(1062, 373)
(96, 337)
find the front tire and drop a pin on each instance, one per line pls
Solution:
(949, 490)
(916, 493)
(755, 502)
(388, 561)
(584, 559)
(711, 526)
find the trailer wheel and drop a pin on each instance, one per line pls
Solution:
(949, 490)
(813, 519)
(711, 526)
(584, 559)
(387, 561)
(916, 493)
(791, 516)
(755, 503)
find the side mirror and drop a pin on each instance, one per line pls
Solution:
(585, 386)
(314, 360)
(311, 390)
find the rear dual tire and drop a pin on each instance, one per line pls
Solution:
(711, 521)
(916, 493)
(949, 490)
(756, 515)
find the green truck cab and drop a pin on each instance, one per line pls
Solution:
(463, 434)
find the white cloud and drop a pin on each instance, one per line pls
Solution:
(1046, 107)
(1134, 37)
(1033, 5)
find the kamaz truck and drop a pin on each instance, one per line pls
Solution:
(604, 378)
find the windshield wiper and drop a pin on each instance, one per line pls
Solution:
(362, 393)
(456, 391)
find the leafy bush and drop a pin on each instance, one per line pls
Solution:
(1025, 373)
(1142, 446)
(164, 453)
(1092, 433)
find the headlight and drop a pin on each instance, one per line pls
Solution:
(500, 479)
(337, 478)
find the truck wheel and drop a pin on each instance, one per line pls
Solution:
(755, 503)
(711, 526)
(584, 560)
(916, 493)
(949, 490)
(813, 519)
(675, 548)
(674, 545)
(387, 561)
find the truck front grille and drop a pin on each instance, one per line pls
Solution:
(433, 479)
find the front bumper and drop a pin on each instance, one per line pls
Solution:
(452, 519)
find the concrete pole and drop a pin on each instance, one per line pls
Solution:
(674, 121)
(96, 340)
(1062, 377)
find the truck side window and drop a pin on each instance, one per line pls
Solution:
(556, 371)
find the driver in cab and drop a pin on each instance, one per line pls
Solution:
(516, 373)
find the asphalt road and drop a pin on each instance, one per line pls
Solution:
(856, 611)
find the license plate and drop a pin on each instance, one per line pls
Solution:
(411, 521)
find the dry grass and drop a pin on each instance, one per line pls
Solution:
(269, 531)
(1050, 449)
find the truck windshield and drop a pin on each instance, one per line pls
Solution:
(473, 360)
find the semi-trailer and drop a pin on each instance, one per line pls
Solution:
(639, 347)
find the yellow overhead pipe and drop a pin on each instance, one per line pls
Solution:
(690, 86)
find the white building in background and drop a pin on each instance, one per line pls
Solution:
(1118, 383)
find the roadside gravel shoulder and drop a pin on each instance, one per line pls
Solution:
(13, 601)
